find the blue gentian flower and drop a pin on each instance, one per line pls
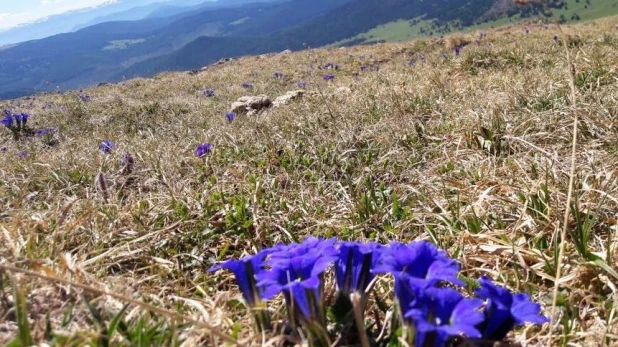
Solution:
(296, 262)
(441, 313)
(7, 121)
(421, 260)
(411, 62)
(22, 154)
(3, 150)
(306, 296)
(247, 85)
(329, 77)
(457, 50)
(296, 271)
(85, 97)
(417, 265)
(504, 310)
(106, 146)
(230, 116)
(353, 268)
(328, 65)
(21, 119)
(209, 92)
(203, 149)
(363, 67)
(244, 271)
(278, 75)
(301, 84)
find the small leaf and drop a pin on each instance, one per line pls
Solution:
(603, 265)
(21, 311)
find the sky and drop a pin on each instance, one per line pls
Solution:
(15, 12)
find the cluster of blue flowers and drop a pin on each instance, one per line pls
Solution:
(15, 121)
(431, 312)
(208, 92)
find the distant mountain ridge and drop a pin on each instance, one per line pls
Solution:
(196, 36)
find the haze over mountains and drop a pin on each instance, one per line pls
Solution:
(139, 38)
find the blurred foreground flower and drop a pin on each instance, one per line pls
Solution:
(244, 271)
(504, 310)
(430, 311)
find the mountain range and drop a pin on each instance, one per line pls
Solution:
(113, 44)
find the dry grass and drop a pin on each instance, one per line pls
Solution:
(475, 149)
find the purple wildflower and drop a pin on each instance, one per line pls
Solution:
(504, 310)
(230, 116)
(247, 85)
(106, 146)
(302, 84)
(7, 121)
(22, 154)
(208, 92)
(439, 313)
(329, 77)
(203, 149)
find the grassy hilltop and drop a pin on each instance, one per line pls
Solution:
(471, 152)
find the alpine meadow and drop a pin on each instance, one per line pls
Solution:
(455, 190)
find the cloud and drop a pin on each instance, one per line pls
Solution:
(43, 9)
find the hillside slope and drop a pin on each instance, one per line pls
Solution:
(191, 39)
(402, 141)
